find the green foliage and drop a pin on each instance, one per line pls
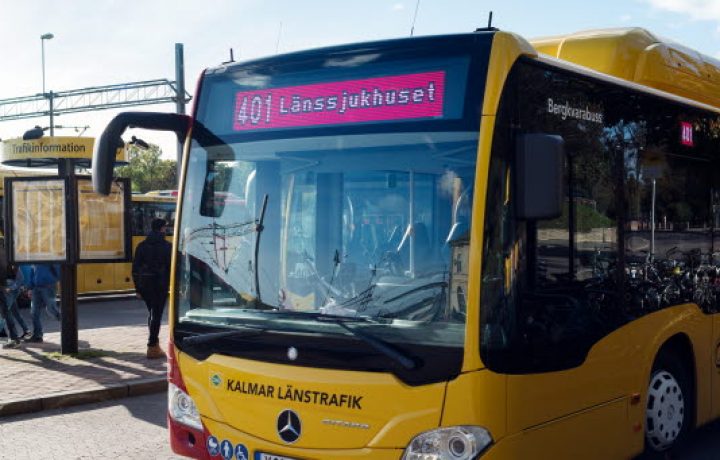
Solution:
(586, 219)
(148, 171)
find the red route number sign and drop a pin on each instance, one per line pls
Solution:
(398, 97)
(686, 134)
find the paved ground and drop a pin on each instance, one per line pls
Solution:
(130, 428)
(704, 444)
(135, 428)
(112, 342)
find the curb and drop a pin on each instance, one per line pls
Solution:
(93, 395)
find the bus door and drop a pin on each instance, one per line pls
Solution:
(715, 261)
(715, 392)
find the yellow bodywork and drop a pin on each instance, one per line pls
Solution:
(636, 55)
(114, 277)
(386, 413)
(595, 411)
(95, 278)
(107, 278)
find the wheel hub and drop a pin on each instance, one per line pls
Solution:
(665, 411)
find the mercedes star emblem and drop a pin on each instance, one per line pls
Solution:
(292, 353)
(289, 427)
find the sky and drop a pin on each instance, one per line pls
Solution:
(101, 42)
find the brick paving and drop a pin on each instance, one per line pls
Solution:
(111, 340)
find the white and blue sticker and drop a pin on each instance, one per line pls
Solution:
(213, 446)
(226, 450)
(241, 452)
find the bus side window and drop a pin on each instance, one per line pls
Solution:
(676, 254)
(137, 220)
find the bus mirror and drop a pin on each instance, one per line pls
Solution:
(539, 162)
(104, 154)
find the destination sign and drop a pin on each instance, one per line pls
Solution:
(391, 98)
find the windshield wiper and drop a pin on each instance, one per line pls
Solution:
(312, 316)
(259, 228)
(434, 284)
(336, 264)
(380, 345)
(247, 331)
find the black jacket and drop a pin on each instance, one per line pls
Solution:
(151, 265)
(3, 261)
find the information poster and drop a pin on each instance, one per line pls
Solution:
(39, 220)
(101, 221)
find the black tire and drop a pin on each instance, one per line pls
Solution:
(669, 410)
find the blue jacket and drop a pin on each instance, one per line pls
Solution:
(17, 282)
(40, 275)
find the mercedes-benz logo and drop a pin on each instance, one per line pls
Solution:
(289, 427)
(292, 353)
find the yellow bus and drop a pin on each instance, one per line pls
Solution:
(116, 277)
(451, 247)
(112, 277)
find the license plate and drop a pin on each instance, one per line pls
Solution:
(264, 456)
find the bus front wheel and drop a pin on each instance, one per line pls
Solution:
(669, 405)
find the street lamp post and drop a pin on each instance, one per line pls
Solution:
(44, 37)
(68, 270)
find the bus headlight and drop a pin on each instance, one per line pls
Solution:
(454, 443)
(182, 408)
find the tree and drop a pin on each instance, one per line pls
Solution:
(148, 171)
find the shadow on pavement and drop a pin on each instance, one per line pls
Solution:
(702, 444)
(100, 369)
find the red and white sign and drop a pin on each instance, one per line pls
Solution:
(399, 97)
(686, 134)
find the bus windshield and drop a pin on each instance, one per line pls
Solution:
(353, 226)
(283, 228)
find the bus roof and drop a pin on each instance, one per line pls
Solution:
(341, 51)
(636, 55)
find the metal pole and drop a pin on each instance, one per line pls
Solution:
(652, 223)
(411, 217)
(180, 97)
(68, 271)
(417, 7)
(50, 97)
(42, 44)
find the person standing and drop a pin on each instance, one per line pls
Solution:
(13, 288)
(151, 275)
(41, 282)
(5, 315)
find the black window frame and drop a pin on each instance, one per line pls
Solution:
(512, 119)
